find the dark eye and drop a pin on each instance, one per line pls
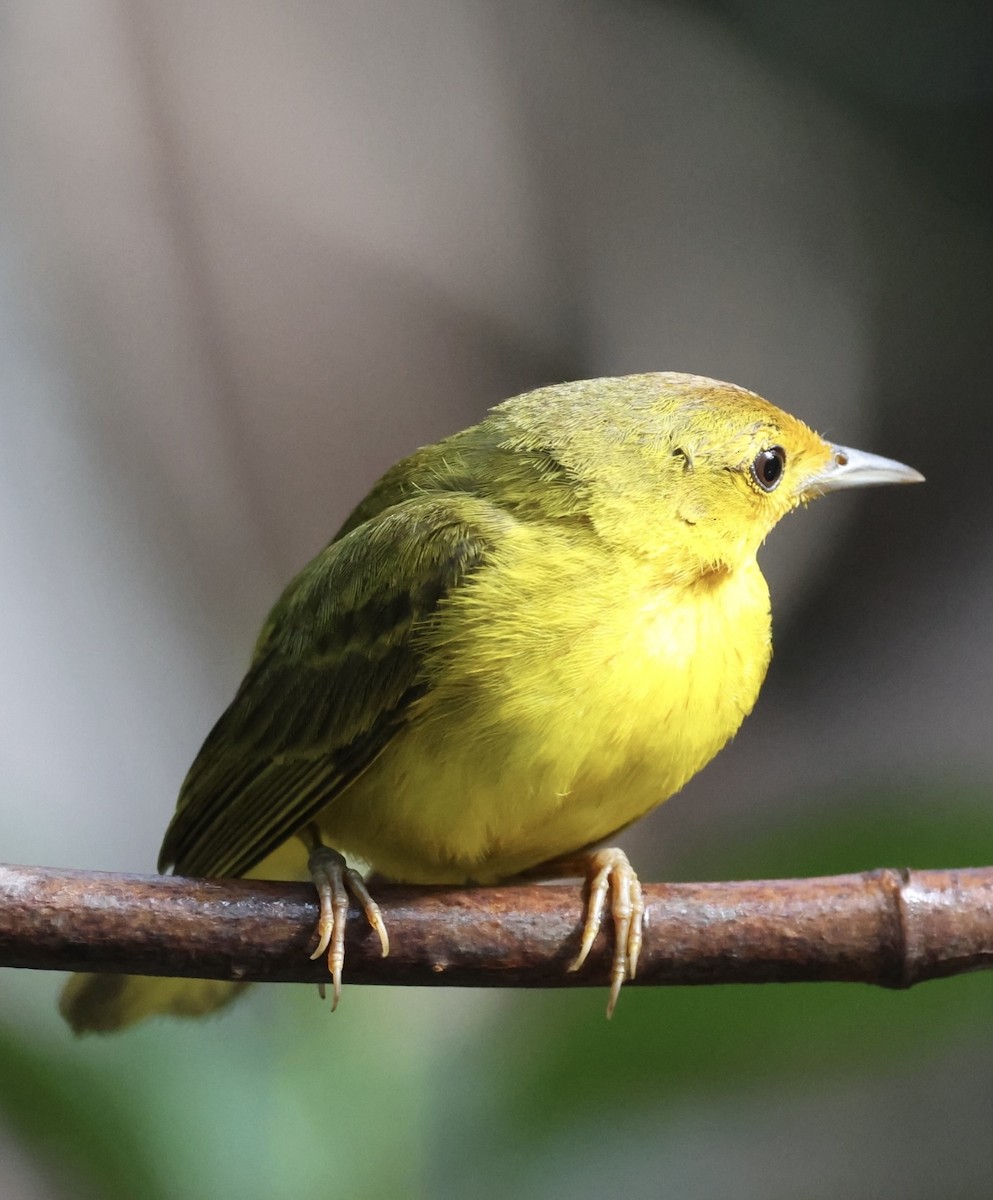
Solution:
(767, 468)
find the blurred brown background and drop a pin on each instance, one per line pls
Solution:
(250, 254)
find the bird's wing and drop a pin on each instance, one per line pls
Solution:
(336, 670)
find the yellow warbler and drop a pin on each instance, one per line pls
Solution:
(524, 638)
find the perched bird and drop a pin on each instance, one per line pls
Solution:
(524, 638)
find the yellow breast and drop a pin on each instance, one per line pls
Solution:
(579, 701)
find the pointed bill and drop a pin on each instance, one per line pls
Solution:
(849, 468)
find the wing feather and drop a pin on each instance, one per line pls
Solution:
(336, 670)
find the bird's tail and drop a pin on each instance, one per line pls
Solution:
(105, 1003)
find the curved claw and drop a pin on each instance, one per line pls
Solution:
(334, 880)
(611, 871)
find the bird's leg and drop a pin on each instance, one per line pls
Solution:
(334, 879)
(606, 870)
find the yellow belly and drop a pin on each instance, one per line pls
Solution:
(549, 727)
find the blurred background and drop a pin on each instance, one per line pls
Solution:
(252, 252)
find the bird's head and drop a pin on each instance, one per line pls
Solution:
(687, 469)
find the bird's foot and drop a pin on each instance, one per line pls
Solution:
(334, 880)
(608, 870)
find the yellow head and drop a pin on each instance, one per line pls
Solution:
(682, 469)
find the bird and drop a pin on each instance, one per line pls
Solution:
(523, 639)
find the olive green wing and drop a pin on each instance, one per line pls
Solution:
(335, 673)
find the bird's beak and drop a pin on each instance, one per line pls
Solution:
(854, 468)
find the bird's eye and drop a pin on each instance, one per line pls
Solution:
(767, 467)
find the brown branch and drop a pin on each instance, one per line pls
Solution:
(888, 927)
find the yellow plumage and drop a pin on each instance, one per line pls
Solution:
(520, 774)
(525, 638)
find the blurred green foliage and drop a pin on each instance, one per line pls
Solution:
(74, 1118)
